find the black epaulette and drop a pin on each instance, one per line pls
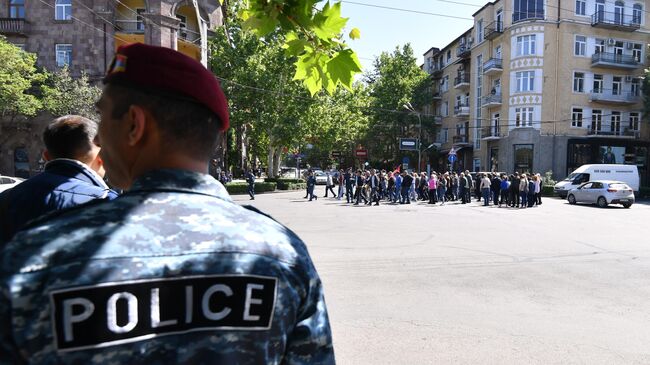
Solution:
(253, 209)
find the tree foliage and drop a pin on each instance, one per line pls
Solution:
(63, 94)
(314, 40)
(18, 79)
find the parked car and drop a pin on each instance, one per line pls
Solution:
(602, 193)
(628, 174)
(321, 178)
(7, 182)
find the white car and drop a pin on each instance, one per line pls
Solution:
(603, 193)
(7, 182)
(321, 178)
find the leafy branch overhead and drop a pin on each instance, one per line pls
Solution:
(313, 38)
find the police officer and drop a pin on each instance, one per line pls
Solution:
(171, 272)
(250, 179)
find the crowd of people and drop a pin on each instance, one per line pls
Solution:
(401, 187)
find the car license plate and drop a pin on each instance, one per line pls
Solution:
(624, 200)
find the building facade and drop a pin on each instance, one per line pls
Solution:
(83, 35)
(552, 85)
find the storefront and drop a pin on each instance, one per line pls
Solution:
(582, 151)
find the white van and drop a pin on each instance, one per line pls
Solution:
(628, 174)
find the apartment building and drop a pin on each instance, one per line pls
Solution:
(553, 85)
(84, 35)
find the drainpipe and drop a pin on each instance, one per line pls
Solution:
(557, 65)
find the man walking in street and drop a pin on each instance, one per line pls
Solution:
(250, 179)
(329, 185)
(407, 180)
(349, 185)
(485, 189)
(173, 271)
(374, 187)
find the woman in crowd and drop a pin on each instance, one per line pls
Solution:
(442, 188)
(523, 190)
(432, 188)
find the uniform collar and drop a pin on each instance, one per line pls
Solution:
(182, 181)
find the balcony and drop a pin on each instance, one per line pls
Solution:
(436, 96)
(464, 51)
(614, 60)
(617, 97)
(522, 16)
(490, 133)
(12, 26)
(189, 36)
(461, 81)
(493, 66)
(625, 133)
(460, 139)
(491, 100)
(437, 119)
(461, 110)
(493, 30)
(615, 21)
(129, 26)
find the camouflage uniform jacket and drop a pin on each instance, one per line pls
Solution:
(172, 272)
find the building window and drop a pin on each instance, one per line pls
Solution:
(598, 84)
(479, 31)
(523, 158)
(635, 87)
(637, 49)
(599, 46)
(581, 7)
(528, 9)
(477, 164)
(596, 120)
(619, 12)
(139, 19)
(523, 117)
(182, 31)
(448, 56)
(637, 13)
(526, 45)
(616, 85)
(615, 125)
(634, 121)
(576, 117)
(445, 109)
(525, 81)
(580, 48)
(17, 9)
(63, 55)
(63, 10)
(579, 82)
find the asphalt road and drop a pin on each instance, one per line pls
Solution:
(466, 284)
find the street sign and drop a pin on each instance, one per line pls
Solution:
(452, 158)
(361, 153)
(408, 144)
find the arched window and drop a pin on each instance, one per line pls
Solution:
(637, 13)
(63, 10)
(619, 13)
(17, 9)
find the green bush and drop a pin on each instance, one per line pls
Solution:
(242, 188)
(284, 184)
(547, 190)
(644, 192)
(292, 186)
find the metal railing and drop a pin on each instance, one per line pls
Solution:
(494, 99)
(521, 16)
(616, 19)
(614, 58)
(493, 29)
(461, 109)
(625, 132)
(188, 35)
(490, 132)
(614, 95)
(463, 50)
(461, 79)
(12, 26)
(129, 26)
(493, 64)
(460, 139)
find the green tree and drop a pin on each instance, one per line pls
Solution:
(314, 38)
(63, 94)
(395, 81)
(19, 78)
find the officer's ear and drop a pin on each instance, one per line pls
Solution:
(138, 122)
(47, 156)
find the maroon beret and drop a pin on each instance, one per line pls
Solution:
(171, 73)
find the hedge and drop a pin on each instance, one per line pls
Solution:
(242, 188)
(548, 190)
(288, 184)
(292, 186)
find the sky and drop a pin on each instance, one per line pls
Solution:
(384, 29)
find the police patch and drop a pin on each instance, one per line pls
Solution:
(115, 313)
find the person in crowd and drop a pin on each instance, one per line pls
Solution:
(73, 175)
(442, 184)
(514, 186)
(485, 186)
(250, 179)
(432, 187)
(504, 190)
(390, 192)
(329, 185)
(495, 188)
(311, 185)
(349, 179)
(398, 187)
(373, 181)
(307, 174)
(469, 186)
(531, 190)
(358, 192)
(340, 181)
(412, 194)
(407, 181)
(538, 189)
(383, 185)
(454, 186)
(523, 190)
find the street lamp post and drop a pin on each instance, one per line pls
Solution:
(409, 107)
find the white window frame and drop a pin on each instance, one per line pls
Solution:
(637, 13)
(577, 117)
(635, 119)
(599, 45)
(615, 122)
(524, 117)
(601, 82)
(139, 19)
(525, 81)
(63, 52)
(63, 10)
(637, 52)
(581, 7)
(526, 45)
(479, 31)
(578, 81)
(580, 46)
(597, 120)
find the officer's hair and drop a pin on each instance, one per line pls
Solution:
(70, 136)
(186, 125)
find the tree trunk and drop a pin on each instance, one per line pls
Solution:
(271, 162)
(277, 157)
